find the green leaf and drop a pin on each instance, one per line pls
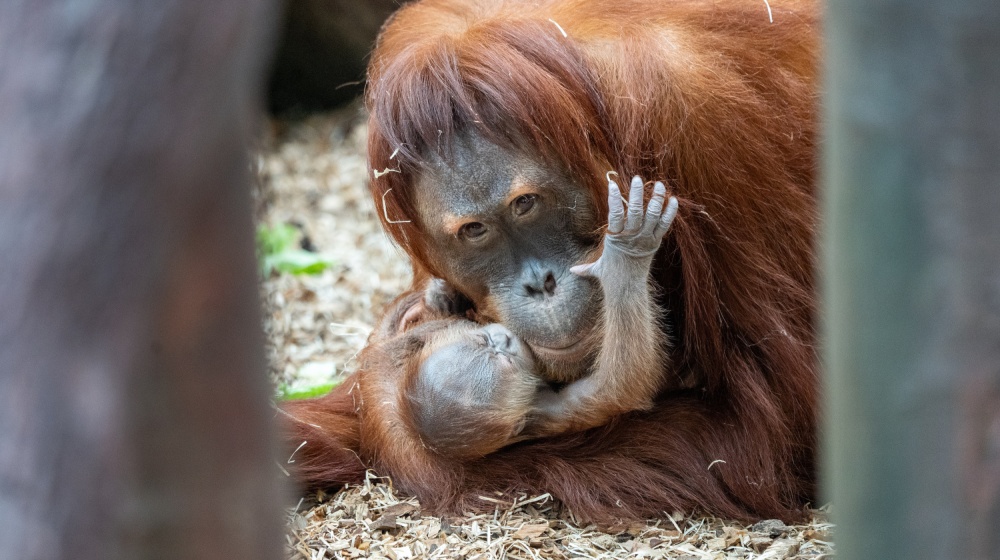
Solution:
(278, 249)
(286, 393)
(297, 261)
(273, 240)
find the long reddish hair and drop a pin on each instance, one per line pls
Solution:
(717, 98)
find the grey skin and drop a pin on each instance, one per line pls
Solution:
(505, 230)
(518, 267)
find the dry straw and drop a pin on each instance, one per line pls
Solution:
(372, 520)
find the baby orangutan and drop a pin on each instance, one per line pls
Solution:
(469, 389)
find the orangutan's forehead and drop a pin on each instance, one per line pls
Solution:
(477, 177)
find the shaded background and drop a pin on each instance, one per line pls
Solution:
(322, 53)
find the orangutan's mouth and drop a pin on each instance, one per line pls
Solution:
(573, 352)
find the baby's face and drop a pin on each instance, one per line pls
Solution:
(477, 362)
(474, 388)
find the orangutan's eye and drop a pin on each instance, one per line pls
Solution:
(523, 204)
(472, 230)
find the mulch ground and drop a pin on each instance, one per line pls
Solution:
(313, 176)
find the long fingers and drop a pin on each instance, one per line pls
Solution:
(654, 209)
(634, 219)
(654, 221)
(667, 218)
(616, 211)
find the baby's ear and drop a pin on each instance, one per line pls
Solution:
(416, 314)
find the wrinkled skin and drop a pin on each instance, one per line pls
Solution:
(505, 231)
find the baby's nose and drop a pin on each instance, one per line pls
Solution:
(499, 336)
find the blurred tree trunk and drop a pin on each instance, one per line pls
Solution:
(134, 419)
(323, 52)
(912, 271)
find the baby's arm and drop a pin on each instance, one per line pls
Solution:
(629, 366)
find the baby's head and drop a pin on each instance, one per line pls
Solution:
(473, 388)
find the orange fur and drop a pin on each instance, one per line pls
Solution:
(721, 103)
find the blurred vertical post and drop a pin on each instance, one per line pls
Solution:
(134, 419)
(912, 278)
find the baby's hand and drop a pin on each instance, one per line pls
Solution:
(632, 238)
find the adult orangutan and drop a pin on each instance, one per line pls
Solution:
(492, 125)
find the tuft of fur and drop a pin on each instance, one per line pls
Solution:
(322, 438)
